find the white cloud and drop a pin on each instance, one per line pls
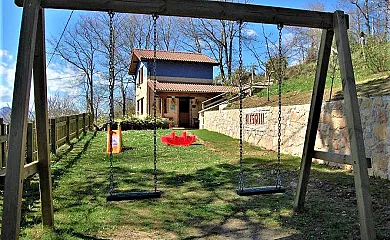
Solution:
(287, 37)
(250, 32)
(61, 78)
(7, 74)
(4, 54)
(5, 96)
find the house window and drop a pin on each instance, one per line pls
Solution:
(140, 106)
(141, 76)
(165, 105)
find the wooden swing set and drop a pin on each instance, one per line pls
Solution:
(32, 58)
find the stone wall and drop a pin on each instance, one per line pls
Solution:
(332, 132)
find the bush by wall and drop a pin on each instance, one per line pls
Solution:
(133, 123)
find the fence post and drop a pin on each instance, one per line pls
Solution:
(67, 129)
(84, 123)
(2, 145)
(89, 122)
(77, 126)
(53, 136)
(29, 155)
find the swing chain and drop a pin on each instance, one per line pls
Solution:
(278, 177)
(111, 98)
(241, 176)
(155, 17)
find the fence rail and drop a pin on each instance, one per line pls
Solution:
(61, 131)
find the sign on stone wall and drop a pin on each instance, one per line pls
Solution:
(256, 119)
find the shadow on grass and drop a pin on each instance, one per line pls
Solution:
(61, 154)
(376, 87)
(58, 170)
(331, 211)
(128, 149)
(201, 202)
(31, 195)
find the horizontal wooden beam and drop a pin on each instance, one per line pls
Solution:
(337, 158)
(3, 138)
(30, 169)
(202, 9)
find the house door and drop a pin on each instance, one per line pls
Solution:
(184, 112)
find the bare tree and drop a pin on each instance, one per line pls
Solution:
(192, 41)
(364, 9)
(168, 33)
(303, 43)
(60, 105)
(124, 43)
(218, 37)
(141, 31)
(368, 16)
(79, 48)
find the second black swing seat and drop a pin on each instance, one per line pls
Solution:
(260, 190)
(133, 196)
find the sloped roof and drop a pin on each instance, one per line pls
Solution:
(144, 54)
(191, 88)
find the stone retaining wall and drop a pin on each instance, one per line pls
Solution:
(332, 132)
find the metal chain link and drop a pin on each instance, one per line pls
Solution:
(241, 176)
(111, 98)
(155, 17)
(278, 177)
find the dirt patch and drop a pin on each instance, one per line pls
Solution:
(238, 228)
(125, 233)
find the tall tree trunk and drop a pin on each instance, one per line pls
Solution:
(123, 99)
(368, 24)
(223, 76)
(229, 56)
(90, 82)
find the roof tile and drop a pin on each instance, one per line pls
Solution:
(173, 56)
(191, 88)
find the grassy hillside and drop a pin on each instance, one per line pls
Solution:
(299, 80)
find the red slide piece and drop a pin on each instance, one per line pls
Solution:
(182, 140)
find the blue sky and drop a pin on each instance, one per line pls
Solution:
(55, 22)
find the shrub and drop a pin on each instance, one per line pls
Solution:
(133, 123)
(377, 55)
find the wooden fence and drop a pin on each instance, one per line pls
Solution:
(61, 131)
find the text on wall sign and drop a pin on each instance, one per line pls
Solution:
(255, 118)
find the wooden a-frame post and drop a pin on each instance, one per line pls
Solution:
(31, 41)
(355, 130)
(351, 108)
(314, 117)
(42, 126)
(332, 23)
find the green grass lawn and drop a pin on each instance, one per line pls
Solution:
(199, 200)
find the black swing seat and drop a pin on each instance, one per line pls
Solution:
(260, 190)
(132, 196)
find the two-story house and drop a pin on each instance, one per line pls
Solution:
(184, 81)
